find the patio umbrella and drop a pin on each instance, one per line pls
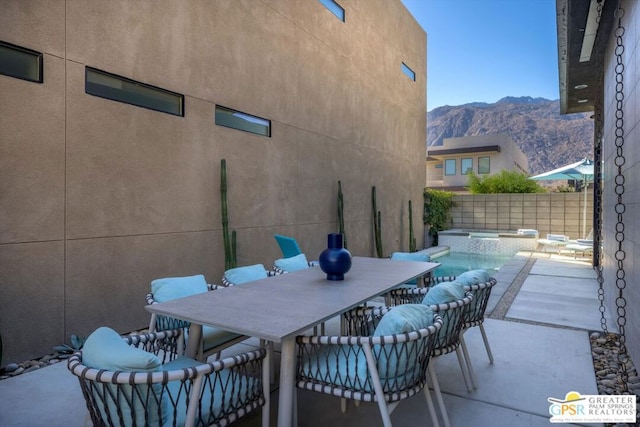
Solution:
(578, 171)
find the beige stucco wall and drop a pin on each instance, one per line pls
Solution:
(98, 197)
(631, 172)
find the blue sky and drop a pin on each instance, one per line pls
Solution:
(484, 50)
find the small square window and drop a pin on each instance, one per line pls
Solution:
(484, 165)
(466, 166)
(450, 167)
(334, 7)
(20, 62)
(408, 71)
(242, 121)
(121, 89)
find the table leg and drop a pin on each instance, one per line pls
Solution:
(193, 342)
(287, 383)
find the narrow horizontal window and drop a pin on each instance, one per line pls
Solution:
(20, 62)
(121, 89)
(334, 7)
(409, 72)
(242, 121)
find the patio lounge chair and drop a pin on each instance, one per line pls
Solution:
(288, 246)
(583, 246)
(553, 241)
(214, 340)
(384, 358)
(248, 273)
(139, 380)
(294, 263)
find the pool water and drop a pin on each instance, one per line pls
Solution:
(456, 263)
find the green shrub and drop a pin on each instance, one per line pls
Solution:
(437, 211)
(503, 182)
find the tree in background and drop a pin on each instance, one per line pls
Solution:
(503, 182)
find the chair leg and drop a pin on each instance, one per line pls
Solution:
(432, 409)
(465, 352)
(486, 343)
(463, 368)
(436, 390)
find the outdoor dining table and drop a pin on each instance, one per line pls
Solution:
(279, 308)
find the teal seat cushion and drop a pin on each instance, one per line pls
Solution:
(169, 288)
(217, 396)
(249, 273)
(444, 292)
(294, 263)
(473, 277)
(214, 337)
(411, 256)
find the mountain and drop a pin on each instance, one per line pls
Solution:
(548, 139)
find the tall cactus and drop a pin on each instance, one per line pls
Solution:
(341, 215)
(377, 224)
(412, 238)
(230, 260)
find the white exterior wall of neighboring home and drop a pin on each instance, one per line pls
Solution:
(98, 197)
(631, 172)
(507, 156)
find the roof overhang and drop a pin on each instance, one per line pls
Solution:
(466, 150)
(583, 28)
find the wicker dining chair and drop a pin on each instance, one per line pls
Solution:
(214, 340)
(372, 364)
(475, 315)
(140, 380)
(448, 340)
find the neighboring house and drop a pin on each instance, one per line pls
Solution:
(598, 58)
(449, 164)
(99, 197)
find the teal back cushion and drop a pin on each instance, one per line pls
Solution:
(294, 263)
(105, 349)
(473, 277)
(410, 256)
(178, 287)
(399, 360)
(245, 274)
(288, 246)
(444, 292)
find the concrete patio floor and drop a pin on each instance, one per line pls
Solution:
(539, 318)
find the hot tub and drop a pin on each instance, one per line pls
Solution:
(487, 241)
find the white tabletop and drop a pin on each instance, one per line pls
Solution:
(283, 306)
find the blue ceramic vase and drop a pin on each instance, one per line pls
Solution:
(335, 261)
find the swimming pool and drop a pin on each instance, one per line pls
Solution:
(456, 263)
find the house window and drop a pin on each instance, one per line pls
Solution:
(466, 166)
(450, 167)
(439, 166)
(121, 89)
(242, 121)
(334, 7)
(20, 62)
(484, 165)
(408, 71)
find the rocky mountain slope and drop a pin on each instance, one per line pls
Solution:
(548, 139)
